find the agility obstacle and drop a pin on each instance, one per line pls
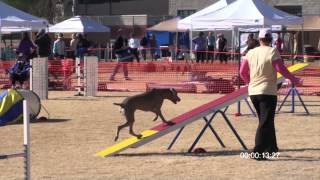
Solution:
(39, 77)
(211, 108)
(89, 76)
(26, 143)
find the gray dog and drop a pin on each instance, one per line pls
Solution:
(148, 101)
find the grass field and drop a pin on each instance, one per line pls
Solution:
(64, 146)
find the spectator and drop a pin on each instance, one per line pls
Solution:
(134, 44)
(259, 69)
(82, 46)
(19, 71)
(222, 48)
(59, 47)
(143, 47)
(153, 46)
(200, 47)
(251, 43)
(73, 45)
(278, 43)
(43, 42)
(211, 40)
(27, 47)
(123, 56)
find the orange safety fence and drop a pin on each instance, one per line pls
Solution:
(185, 76)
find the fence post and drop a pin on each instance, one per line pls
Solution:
(26, 139)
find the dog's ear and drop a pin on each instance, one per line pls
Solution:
(173, 90)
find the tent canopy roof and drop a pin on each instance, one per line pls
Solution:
(170, 25)
(12, 18)
(78, 24)
(250, 13)
(187, 23)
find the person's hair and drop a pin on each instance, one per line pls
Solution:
(267, 39)
(41, 32)
(60, 35)
(26, 36)
(79, 36)
(201, 33)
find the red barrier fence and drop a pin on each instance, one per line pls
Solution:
(184, 76)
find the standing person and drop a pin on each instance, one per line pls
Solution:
(211, 40)
(259, 68)
(143, 47)
(222, 48)
(123, 57)
(153, 46)
(43, 42)
(134, 44)
(26, 47)
(59, 47)
(82, 45)
(200, 47)
(251, 43)
(73, 46)
(278, 43)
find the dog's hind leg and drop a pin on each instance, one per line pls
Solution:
(119, 128)
(130, 116)
(133, 133)
(155, 117)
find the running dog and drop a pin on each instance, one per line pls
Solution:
(148, 101)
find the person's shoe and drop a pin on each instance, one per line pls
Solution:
(112, 79)
(127, 79)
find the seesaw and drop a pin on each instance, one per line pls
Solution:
(210, 108)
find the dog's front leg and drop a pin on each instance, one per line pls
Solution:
(164, 120)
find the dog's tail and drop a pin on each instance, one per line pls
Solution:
(118, 104)
(121, 107)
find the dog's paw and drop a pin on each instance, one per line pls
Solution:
(139, 136)
(170, 123)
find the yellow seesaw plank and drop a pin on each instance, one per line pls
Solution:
(125, 143)
(295, 67)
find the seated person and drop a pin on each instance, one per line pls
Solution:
(19, 71)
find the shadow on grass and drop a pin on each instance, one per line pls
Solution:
(45, 120)
(282, 157)
(207, 154)
(40, 120)
(83, 98)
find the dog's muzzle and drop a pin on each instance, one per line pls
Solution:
(177, 100)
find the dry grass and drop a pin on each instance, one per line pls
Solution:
(64, 146)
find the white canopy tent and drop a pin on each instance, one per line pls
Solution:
(14, 20)
(248, 13)
(243, 14)
(190, 22)
(78, 24)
